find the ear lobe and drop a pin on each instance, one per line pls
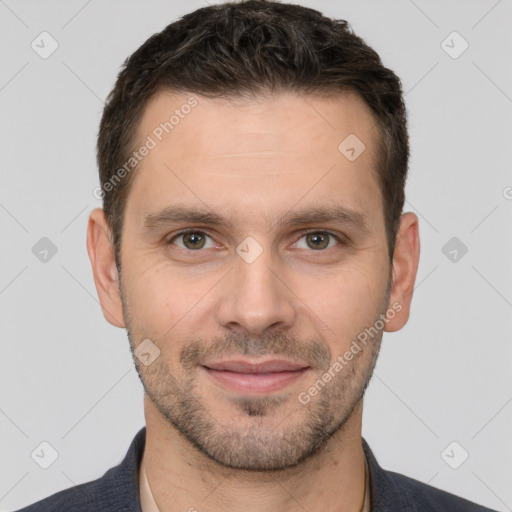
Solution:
(106, 277)
(405, 266)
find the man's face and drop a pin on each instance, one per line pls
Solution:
(255, 289)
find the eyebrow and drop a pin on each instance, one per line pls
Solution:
(314, 215)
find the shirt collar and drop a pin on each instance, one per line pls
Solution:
(147, 502)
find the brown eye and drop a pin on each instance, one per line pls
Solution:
(317, 240)
(192, 240)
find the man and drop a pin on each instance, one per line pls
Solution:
(253, 159)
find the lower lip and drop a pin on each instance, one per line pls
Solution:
(255, 383)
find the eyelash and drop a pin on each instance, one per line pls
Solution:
(302, 234)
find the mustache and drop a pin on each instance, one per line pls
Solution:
(196, 351)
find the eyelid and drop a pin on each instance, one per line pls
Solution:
(302, 233)
(169, 241)
(306, 231)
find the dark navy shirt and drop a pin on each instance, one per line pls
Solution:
(118, 490)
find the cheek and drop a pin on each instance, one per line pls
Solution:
(349, 300)
(163, 304)
(151, 298)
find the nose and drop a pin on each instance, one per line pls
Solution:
(255, 297)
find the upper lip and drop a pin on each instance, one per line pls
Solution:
(244, 366)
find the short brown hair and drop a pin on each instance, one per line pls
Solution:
(241, 49)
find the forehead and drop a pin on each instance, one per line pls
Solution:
(256, 155)
(270, 120)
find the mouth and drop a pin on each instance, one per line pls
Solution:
(255, 378)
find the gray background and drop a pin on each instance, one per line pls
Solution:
(66, 375)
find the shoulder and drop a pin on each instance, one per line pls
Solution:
(394, 492)
(429, 498)
(79, 499)
(116, 491)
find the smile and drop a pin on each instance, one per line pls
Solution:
(255, 378)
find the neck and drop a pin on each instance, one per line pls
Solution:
(182, 478)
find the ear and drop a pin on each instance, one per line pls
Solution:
(405, 265)
(106, 277)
